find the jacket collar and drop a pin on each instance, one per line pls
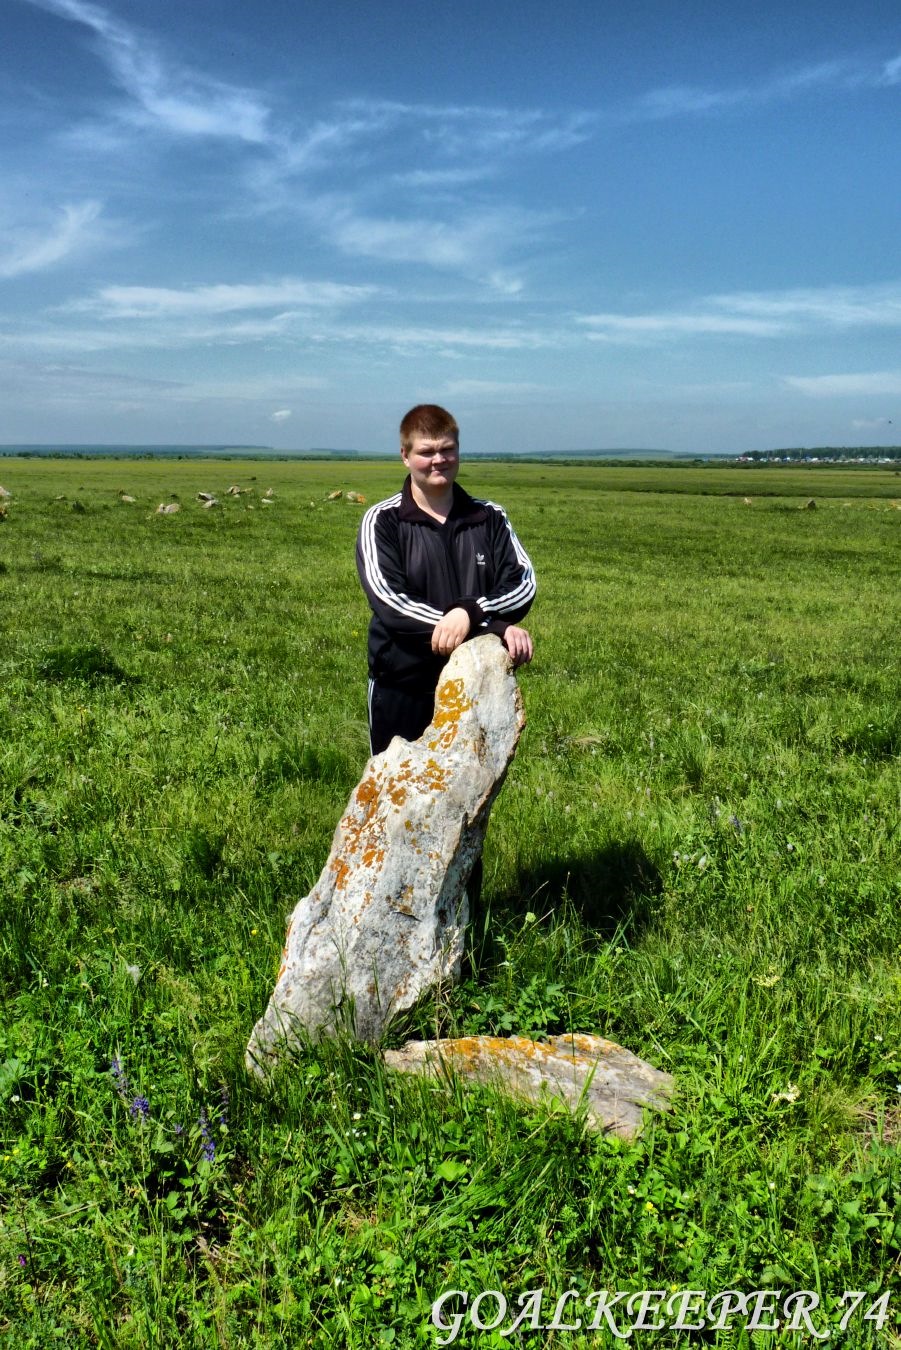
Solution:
(464, 507)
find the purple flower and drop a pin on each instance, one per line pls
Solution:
(223, 1114)
(208, 1149)
(23, 1260)
(120, 1082)
(140, 1107)
(179, 1131)
(736, 825)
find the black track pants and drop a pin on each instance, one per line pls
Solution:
(397, 712)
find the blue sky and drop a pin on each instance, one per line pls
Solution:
(587, 225)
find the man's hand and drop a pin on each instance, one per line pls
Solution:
(450, 631)
(519, 644)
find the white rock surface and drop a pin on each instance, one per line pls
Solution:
(615, 1085)
(386, 919)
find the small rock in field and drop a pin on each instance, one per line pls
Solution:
(78, 507)
(124, 497)
(613, 1084)
(747, 501)
(167, 508)
(208, 502)
(206, 496)
(4, 492)
(810, 505)
(269, 493)
(355, 497)
(334, 496)
(234, 491)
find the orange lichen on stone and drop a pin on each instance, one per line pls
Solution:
(432, 778)
(396, 794)
(367, 793)
(341, 871)
(450, 704)
(372, 856)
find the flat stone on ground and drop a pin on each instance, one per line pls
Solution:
(614, 1085)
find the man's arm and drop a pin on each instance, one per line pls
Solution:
(381, 570)
(513, 590)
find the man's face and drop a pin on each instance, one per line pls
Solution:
(433, 463)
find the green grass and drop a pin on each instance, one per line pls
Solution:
(695, 853)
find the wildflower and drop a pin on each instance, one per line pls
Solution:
(23, 1260)
(791, 1094)
(134, 972)
(702, 862)
(650, 1208)
(208, 1149)
(223, 1114)
(178, 1130)
(140, 1107)
(120, 1082)
(736, 825)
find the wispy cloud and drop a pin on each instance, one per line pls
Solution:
(493, 389)
(693, 100)
(476, 130)
(153, 302)
(863, 383)
(33, 249)
(444, 339)
(184, 102)
(763, 314)
(280, 415)
(475, 243)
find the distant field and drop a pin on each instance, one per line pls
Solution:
(695, 853)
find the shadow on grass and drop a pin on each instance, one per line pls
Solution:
(609, 889)
(87, 663)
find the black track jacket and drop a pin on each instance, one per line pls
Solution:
(414, 570)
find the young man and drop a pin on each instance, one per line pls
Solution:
(438, 567)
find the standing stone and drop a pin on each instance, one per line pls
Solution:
(386, 919)
(614, 1085)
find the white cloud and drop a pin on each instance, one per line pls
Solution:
(764, 314)
(494, 389)
(891, 71)
(33, 250)
(445, 339)
(163, 302)
(690, 100)
(182, 101)
(473, 243)
(476, 131)
(638, 327)
(874, 382)
(280, 415)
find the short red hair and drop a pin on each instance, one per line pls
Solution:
(427, 420)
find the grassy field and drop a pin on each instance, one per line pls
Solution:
(695, 853)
